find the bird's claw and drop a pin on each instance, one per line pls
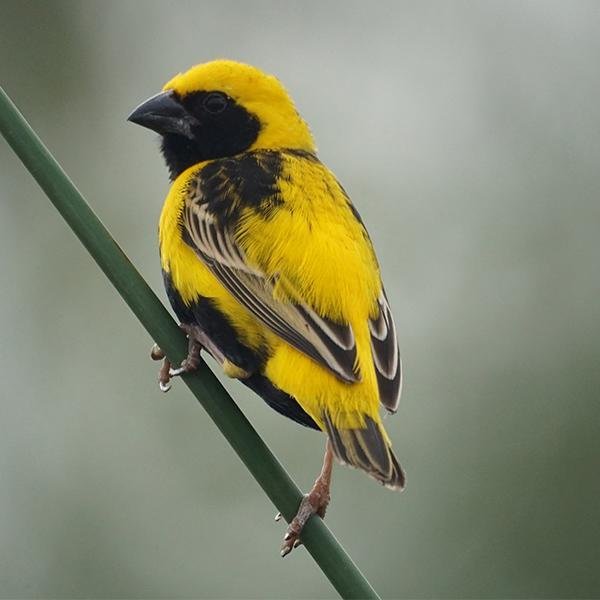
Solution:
(176, 372)
(156, 353)
(291, 540)
(188, 364)
(164, 379)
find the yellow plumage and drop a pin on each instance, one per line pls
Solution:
(322, 257)
(257, 227)
(262, 94)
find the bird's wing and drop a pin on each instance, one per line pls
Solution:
(329, 343)
(386, 355)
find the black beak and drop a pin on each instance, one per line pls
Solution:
(164, 113)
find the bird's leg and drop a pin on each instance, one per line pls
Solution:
(198, 340)
(229, 368)
(315, 502)
(192, 360)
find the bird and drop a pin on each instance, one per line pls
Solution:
(270, 269)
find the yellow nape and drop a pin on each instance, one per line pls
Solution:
(261, 94)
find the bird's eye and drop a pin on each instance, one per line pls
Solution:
(215, 103)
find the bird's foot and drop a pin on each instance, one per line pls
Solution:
(197, 340)
(192, 360)
(315, 502)
(189, 364)
(156, 353)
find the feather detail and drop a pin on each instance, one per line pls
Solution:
(367, 449)
(386, 355)
(329, 343)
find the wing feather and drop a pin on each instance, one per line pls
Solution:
(329, 343)
(386, 355)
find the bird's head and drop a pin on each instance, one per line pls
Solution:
(219, 109)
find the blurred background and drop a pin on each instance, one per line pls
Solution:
(467, 134)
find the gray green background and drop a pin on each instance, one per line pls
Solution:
(467, 134)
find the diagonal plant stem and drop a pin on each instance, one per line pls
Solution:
(262, 464)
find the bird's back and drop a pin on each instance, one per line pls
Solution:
(294, 224)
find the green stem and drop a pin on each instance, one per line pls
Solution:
(265, 468)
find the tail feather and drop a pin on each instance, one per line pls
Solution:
(367, 449)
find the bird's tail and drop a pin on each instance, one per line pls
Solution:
(368, 449)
